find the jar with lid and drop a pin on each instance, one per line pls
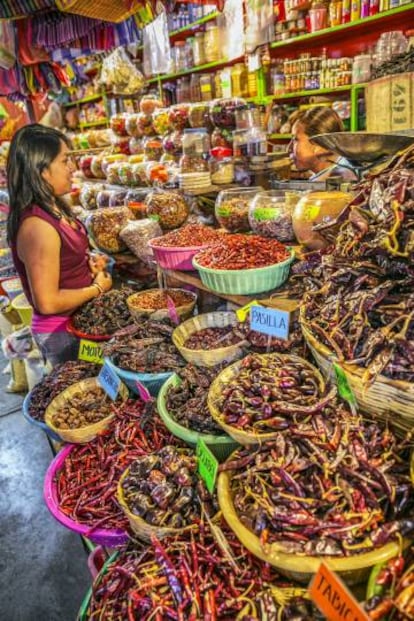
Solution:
(221, 165)
(180, 55)
(239, 80)
(196, 148)
(195, 90)
(361, 68)
(270, 214)
(198, 115)
(232, 208)
(212, 43)
(206, 87)
(198, 49)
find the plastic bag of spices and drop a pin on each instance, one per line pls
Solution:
(105, 225)
(136, 235)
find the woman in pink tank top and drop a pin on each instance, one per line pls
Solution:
(49, 246)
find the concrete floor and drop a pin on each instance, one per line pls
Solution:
(43, 566)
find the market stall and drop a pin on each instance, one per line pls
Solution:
(238, 419)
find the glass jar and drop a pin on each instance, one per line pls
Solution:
(239, 80)
(195, 89)
(160, 121)
(212, 43)
(270, 214)
(169, 208)
(206, 87)
(223, 112)
(178, 116)
(196, 142)
(180, 56)
(232, 208)
(198, 49)
(117, 124)
(315, 208)
(221, 166)
(198, 115)
(250, 142)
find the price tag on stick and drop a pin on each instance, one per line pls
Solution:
(207, 465)
(333, 598)
(90, 351)
(243, 312)
(144, 392)
(109, 381)
(172, 311)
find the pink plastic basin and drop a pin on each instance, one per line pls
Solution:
(109, 537)
(175, 258)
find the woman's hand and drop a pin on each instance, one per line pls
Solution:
(104, 280)
(97, 262)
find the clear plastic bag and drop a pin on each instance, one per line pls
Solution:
(136, 235)
(157, 50)
(120, 74)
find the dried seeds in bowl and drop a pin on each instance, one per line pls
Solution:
(84, 408)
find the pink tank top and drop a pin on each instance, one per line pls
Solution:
(74, 270)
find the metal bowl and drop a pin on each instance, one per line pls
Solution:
(363, 147)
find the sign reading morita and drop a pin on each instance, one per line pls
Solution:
(270, 321)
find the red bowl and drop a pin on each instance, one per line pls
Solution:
(84, 335)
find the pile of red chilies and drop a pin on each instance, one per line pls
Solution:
(87, 482)
(189, 235)
(242, 252)
(180, 579)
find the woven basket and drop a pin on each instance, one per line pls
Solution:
(139, 313)
(104, 10)
(140, 526)
(221, 446)
(295, 566)
(82, 434)
(207, 357)
(246, 438)
(385, 399)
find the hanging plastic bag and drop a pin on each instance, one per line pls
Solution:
(7, 45)
(259, 23)
(157, 50)
(120, 74)
(18, 344)
(233, 23)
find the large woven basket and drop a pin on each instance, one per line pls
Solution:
(246, 438)
(104, 10)
(385, 399)
(140, 312)
(143, 529)
(81, 434)
(221, 446)
(352, 569)
(207, 357)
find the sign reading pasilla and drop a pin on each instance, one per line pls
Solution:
(270, 321)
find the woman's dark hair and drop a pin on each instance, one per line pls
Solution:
(318, 120)
(32, 149)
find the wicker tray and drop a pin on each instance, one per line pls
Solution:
(220, 446)
(138, 313)
(245, 438)
(104, 10)
(143, 529)
(207, 357)
(385, 399)
(81, 434)
(298, 567)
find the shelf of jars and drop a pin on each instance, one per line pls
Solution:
(205, 67)
(84, 100)
(189, 28)
(390, 19)
(309, 93)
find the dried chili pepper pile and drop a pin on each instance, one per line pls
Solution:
(242, 252)
(105, 314)
(336, 485)
(364, 308)
(146, 348)
(268, 392)
(187, 402)
(157, 300)
(191, 579)
(188, 235)
(61, 377)
(392, 587)
(87, 482)
(161, 488)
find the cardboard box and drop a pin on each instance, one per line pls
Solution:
(390, 103)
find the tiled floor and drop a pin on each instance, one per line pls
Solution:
(43, 570)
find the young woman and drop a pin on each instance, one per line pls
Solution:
(309, 156)
(49, 246)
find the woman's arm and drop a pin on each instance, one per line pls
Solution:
(38, 246)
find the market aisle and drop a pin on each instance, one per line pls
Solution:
(43, 570)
